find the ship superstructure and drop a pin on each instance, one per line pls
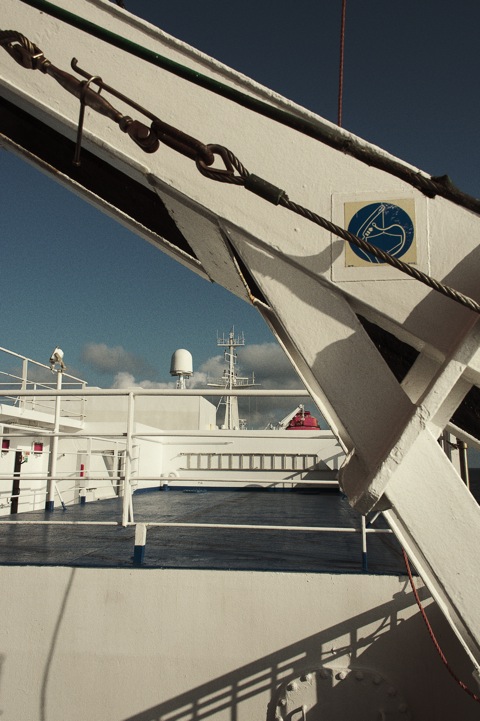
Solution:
(66, 449)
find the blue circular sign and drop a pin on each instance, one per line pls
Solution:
(384, 225)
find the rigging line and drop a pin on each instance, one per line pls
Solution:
(383, 257)
(432, 634)
(429, 185)
(342, 55)
(31, 57)
(277, 196)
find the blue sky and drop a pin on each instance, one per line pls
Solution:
(73, 277)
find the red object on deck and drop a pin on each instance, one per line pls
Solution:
(303, 421)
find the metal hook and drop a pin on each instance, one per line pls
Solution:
(108, 88)
(85, 85)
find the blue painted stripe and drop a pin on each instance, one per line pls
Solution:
(138, 554)
(364, 561)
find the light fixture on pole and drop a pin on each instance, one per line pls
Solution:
(56, 359)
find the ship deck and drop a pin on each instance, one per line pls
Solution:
(78, 545)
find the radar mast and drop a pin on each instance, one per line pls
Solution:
(231, 380)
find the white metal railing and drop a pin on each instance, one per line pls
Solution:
(27, 381)
(131, 395)
(123, 480)
(141, 530)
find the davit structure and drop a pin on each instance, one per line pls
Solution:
(342, 249)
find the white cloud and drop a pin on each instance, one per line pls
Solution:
(272, 370)
(271, 366)
(127, 380)
(267, 361)
(114, 359)
(210, 371)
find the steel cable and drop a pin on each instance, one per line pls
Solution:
(20, 48)
(279, 197)
(27, 54)
(382, 255)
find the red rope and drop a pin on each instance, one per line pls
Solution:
(340, 73)
(432, 635)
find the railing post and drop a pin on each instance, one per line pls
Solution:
(364, 545)
(23, 400)
(140, 543)
(50, 500)
(127, 511)
(85, 472)
(83, 404)
(462, 453)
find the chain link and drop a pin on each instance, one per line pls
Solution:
(29, 55)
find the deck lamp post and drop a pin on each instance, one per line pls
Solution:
(56, 366)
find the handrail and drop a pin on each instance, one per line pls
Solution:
(20, 383)
(141, 530)
(178, 524)
(37, 363)
(127, 473)
(195, 392)
(123, 477)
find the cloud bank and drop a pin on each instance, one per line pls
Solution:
(271, 369)
(115, 359)
(127, 380)
(265, 362)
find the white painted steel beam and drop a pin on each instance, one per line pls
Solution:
(308, 285)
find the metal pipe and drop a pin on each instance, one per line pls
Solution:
(61, 523)
(92, 478)
(50, 500)
(462, 455)
(281, 393)
(127, 511)
(174, 524)
(34, 362)
(24, 378)
(364, 545)
(213, 433)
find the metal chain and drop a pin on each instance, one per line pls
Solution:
(29, 55)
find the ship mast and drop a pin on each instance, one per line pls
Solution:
(231, 380)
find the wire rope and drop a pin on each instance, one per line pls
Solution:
(234, 172)
(323, 132)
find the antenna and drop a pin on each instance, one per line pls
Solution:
(181, 366)
(231, 380)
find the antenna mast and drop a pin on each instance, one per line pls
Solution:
(231, 380)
